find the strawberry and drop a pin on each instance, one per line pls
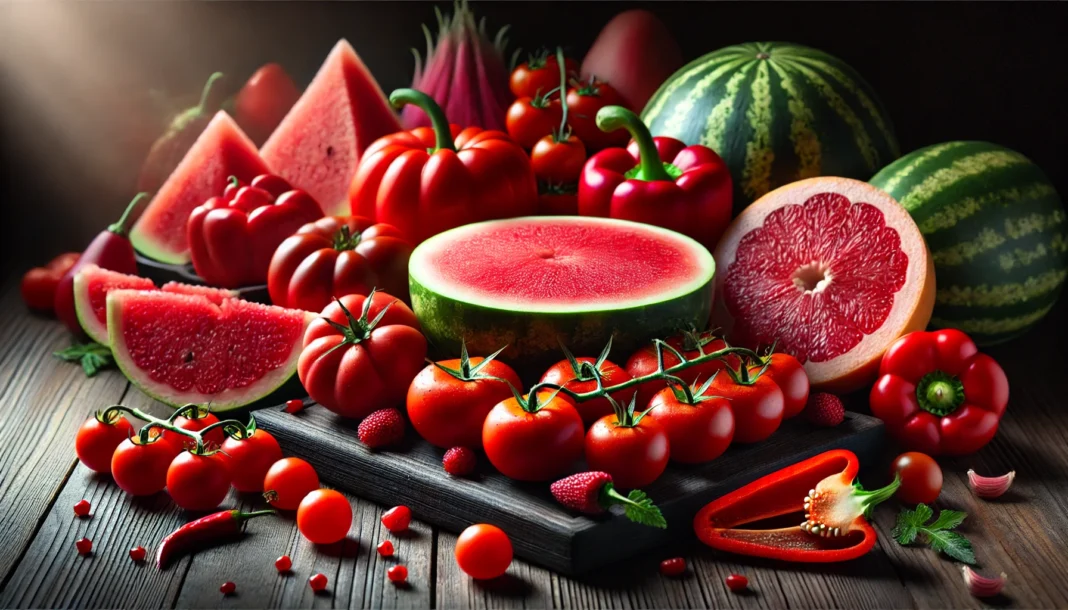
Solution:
(459, 461)
(381, 428)
(825, 409)
(593, 492)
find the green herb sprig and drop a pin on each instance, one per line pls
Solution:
(938, 533)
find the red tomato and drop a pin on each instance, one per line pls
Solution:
(195, 422)
(558, 162)
(536, 446)
(96, 441)
(564, 374)
(448, 411)
(583, 102)
(531, 118)
(557, 200)
(921, 478)
(198, 482)
(483, 551)
(635, 455)
(40, 283)
(264, 100)
(338, 256)
(141, 469)
(250, 458)
(697, 433)
(691, 345)
(324, 516)
(758, 406)
(791, 378)
(540, 74)
(288, 481)
(372, 368)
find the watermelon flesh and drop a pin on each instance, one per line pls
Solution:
(182, 348)
(221, 151)
(319, 143)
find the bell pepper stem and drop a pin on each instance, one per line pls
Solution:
(206, 93)
(442, 134)
(121, 227)
(650, 166)
(871, 499)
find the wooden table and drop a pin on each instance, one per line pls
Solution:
(43, 401)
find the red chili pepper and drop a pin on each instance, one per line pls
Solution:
(691, 194)
(204, 530)
(428, 180)
(111, 250)
(822, 489)
(937, 394)
(233, 237)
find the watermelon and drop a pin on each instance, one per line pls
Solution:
(319, 142)
(776, 112)
(533, 283)
(182, 348)
(221, 151)
(996, 229)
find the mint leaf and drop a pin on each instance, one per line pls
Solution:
(93, 356)
(640, 509)
(904, 532)
(948, 519)
(911, 523)
(953, 544)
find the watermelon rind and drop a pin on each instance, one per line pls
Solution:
(227, 400)
(86, 317)
(997, 232)
(534, 332)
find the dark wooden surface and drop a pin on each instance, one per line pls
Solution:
(43, 401)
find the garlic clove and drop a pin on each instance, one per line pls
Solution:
(981, 586)
(990, 487)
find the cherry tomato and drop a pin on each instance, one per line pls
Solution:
(758, 406)
(195, 422)
(40, 283)
(397, 574)
(791, 378)
(564, 374)
(535, 446)
(921, 478)
(317, 582)
(198, 482)
(696, 433)
(448, 411)
(483, 551)
(397, 519)
(676, 566)
(288, 481)
(691, 345)
(283, 563)
(529, 119)
(96, 441)
(141, 469)
(540, 74)
(264, 100)
(250, 458)
(634, 455)
(324, 516)
(583, 102)
(558, 161)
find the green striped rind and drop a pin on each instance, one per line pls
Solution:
(776, 112)
(997, 232)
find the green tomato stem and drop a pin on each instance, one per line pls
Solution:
(121, 226)
(650, 166)
(442, 134)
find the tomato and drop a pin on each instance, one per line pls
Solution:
(697, 433)
(337, 256)
(921, 478)
(39, 284)
(531, 118)
(691, 345)
(758, 406)
(287, 482)
(370, 366)
(96, 441)
(583, 102)
(633, 449)
(792, 379)
(264, 100)
(483, 551)
(141, 469)
(540, 74)
(195, 421)
(448, 408)
(198, 482)
(569, 375)
(557, 200)
(324, 516)
(536, 446)
(558, 161)
(250, 458)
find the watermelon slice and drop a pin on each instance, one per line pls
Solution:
(182, 349)
(532, 283)
(319, 143)
(92, 285)
(833, 269)
(221, 151)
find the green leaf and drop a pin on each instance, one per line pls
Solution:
(911, 523)
(951, 543)
(93, 356)
(641, 510)
(905, 533)
(948, 519)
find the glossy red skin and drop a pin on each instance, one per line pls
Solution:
(96, 442)
(582, 107)
(643, 362)
(558, 162)
(39, 284)
(676, 566)
(562, 374)
(634, 456)
(537, 446)
(141, 470)
(358, 379)
(324, 516)
(290, 479)
(205, 419)
(249, 459)
(397, 519)
(791, 378)
(448, 412)
(528, 82)
(758, 407)
(483, 551)
(397, 574)
(264, 100)
(317, 582)
(697, 433)
(697, 203)
(422, 194)
(921, 478)
(198, 482)
(108, 250)
(966, 430)
(527, 123)
(557, 204)
(635, 52)
(307, 272)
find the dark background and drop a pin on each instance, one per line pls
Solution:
(75, 119)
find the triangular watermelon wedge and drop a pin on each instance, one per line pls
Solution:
(221, 151)
(319, 143)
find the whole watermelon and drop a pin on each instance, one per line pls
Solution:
(776, 112)
(996, 229)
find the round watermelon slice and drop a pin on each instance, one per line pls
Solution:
(182, 348)
(533, 283)
(831, 270)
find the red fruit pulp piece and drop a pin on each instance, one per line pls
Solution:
(227, 588)
(385, 548)
(397, 574)
(675, 566)
(295, 405)
(84, 546)
(138, 554)
(737, 582)
(81, 508)
(317, 582)
(397, 518)
(283, 563)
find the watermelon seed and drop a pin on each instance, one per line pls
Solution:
(330, 151)
(188, 357)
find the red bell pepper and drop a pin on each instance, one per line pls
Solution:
(691, 194)
(822, 488)
(428, 180)
(233, 237)
(937, 394)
